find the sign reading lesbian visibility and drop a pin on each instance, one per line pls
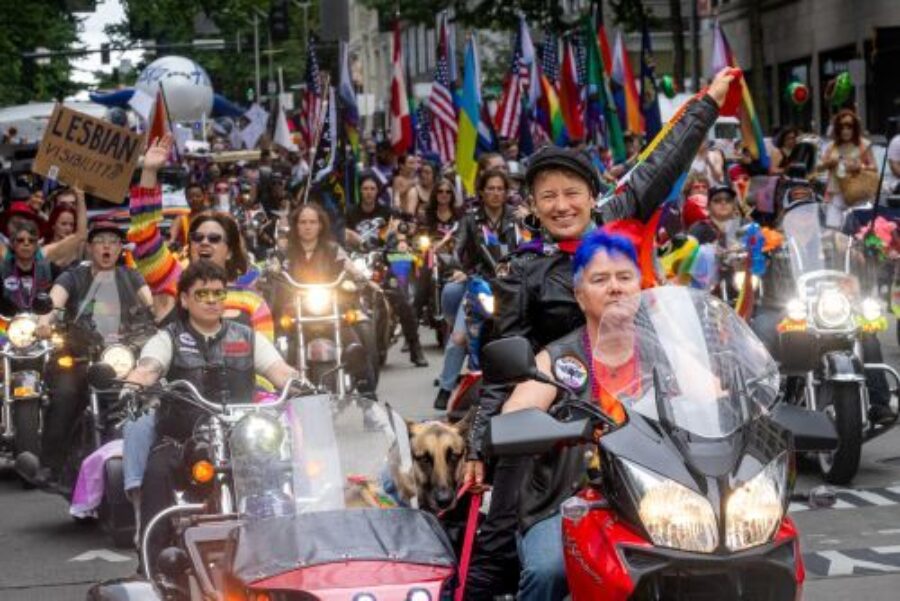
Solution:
(99, 157)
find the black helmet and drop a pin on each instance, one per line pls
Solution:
(554, 157)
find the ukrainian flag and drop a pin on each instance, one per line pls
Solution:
(467, 137)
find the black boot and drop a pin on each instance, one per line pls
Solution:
(416, 355)
(440, 401)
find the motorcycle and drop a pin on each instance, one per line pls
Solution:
(319, 315)
(436, 259)
(819, 344)
(92, 477)
(369, 260)
(686, 494)
(303, 517)
(24, 358)
(478, 304)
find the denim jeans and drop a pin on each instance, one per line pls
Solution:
(138, 438)
(543, 567)
(455, 315)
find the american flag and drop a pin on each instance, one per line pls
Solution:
(509, 110)
(311, 99)
(550, 57)
(443, 127)
(422, 129)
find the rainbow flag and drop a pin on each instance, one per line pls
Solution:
(627, 99)
(469, 117)
(549, 112)
(601, 114)
(751, 130)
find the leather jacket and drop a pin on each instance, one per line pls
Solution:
(534, 295)
(473, 253)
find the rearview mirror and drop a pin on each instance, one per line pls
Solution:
(508, 361)
(812, 430)
(101, 376)
(533, 432)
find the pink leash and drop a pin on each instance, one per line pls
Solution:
(468, 541)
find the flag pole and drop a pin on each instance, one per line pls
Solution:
(162, 92)
(320, 127)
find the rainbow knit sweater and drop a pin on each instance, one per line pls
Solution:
(161, 267)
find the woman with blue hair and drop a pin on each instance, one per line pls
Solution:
(607, 288)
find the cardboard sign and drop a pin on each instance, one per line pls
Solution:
(96, 155)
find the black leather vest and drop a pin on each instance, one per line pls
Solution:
(129, 302)
(556, 476)
(14, 298)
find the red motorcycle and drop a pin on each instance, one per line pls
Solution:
(686, 497)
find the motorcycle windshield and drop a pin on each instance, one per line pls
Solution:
(315, 485)
(813, 247)
(684, 359)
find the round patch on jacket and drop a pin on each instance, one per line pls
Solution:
(186, 339)
(571, 372)
(11, 283)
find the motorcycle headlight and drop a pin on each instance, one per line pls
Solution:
(487, 301)
(673, 515)
(317, 301)
(833, 309)
(871, 309)
(257, 434)
(424, 243)
(796, 309)
(21, 331)
(755, 509)
(738, 280)
(120, 358)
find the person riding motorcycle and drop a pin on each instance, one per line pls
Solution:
(115, 297)
(220, 356)
(484, 236)
(24, 275)
(607, 283)
(534, 296)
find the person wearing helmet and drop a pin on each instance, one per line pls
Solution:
(534, 294)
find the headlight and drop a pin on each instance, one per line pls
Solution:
(871, 309)
(796, 309)
(487, 301)
(21, 331)
(418, 594)
(257, 434)
(754, 510)
(674, 516)
(832, 309)
(317, 301)
(424, 243)
(738, 280)
(364, 597)
(120, 358)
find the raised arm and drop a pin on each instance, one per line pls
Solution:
(61, 250)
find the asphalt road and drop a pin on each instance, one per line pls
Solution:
(852, 550)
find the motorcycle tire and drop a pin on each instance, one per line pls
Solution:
(116, 511)
(843, 404)
(27, 422)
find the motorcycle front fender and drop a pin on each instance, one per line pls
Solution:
(842, 366)
(123, 590)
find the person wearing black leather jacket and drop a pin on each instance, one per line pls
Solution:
(534, 295)
(484, 236)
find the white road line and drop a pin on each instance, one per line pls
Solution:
(869, 496)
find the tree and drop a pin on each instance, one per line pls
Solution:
(42, 24)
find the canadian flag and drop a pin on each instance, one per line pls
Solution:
(401, 122)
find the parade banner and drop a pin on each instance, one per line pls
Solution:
(99, 157)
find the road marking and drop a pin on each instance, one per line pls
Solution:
(856, 498)
(102, 554)
(853, 562)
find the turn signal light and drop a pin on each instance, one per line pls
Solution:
(203, 472)
(286, 322)
(352, 316)
(66, 361)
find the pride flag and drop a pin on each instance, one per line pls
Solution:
(570, 98)
(601, 114)
(751, 130)
(630, 105)
(469, 117)
(550, 112)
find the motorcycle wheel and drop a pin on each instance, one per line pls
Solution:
(27, 422)
(843, 405)
(116, 511)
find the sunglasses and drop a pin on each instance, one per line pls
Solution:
(846, 125)
(213, 238)
(26, 240)
(445, 191)
(208, 295)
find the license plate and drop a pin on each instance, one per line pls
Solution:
(20, 391)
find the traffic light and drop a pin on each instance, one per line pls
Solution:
(279, 26)
(104, 54)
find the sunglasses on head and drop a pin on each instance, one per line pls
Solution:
(209, 295)
(212, 238)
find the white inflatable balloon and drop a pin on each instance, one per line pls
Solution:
(186, 85)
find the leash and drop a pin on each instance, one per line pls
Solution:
(468, 539)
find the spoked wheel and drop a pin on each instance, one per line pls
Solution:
(842, 403)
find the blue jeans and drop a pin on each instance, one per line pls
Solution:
(543, 576)
(455, 315)
(138, 438)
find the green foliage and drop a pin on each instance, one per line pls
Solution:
(631, 15)
(486, 14)
(43, 23)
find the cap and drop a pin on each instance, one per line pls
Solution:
(103, 225)
(23, 210)
(554, 157)
(719, 188)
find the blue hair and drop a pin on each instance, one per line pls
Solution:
(600, 241)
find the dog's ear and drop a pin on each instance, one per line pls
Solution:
(412, 427)
(463, 426)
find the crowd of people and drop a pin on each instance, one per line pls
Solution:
(556, 261)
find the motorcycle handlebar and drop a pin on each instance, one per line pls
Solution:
(220, 409)
(300, 286)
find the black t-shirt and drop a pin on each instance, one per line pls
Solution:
(356, 215)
